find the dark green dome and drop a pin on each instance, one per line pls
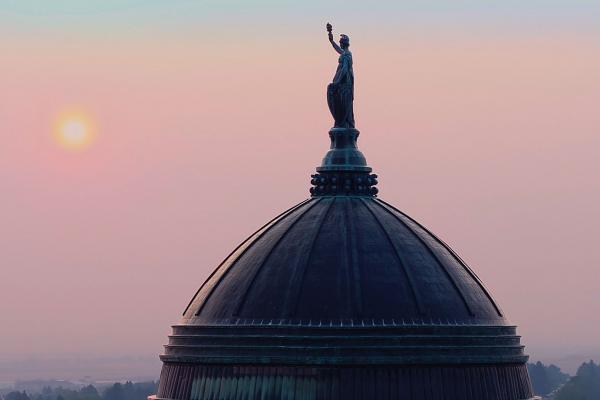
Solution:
(343, 297)
(350, 260)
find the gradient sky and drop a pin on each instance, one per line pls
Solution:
(481, 118)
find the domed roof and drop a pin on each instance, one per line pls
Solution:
(336, 290)
(343, 297)
(351, 260)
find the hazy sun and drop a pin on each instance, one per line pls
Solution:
(74, 130)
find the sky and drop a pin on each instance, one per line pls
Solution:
(480, 118)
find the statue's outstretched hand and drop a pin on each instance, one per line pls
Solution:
(335, 46)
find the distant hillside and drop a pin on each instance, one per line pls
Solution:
(116, 391)
(79, 370)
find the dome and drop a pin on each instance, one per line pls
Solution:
(343, 297)
(349, 260)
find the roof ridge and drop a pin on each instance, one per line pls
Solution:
(455, 255)
(435, 256)
(308, 259)
(247, 242)
(354, 285)
(244, 296)
(409, 278)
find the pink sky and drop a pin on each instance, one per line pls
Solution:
(489, 138)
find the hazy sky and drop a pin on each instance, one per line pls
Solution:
(481, 118)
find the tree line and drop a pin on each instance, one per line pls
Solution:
(117, 391)
(547, 380)
(585, 385)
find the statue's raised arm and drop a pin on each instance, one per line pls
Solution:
(334, 44)
(340, 92)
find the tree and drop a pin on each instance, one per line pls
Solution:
(16, 396)
(585, 385)
(545, 379)
(115, 392)
(89, 392)
(130, 391)
(47, 392)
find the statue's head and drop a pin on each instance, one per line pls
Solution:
(344, 41)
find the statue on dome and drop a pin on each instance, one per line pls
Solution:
(340, 92)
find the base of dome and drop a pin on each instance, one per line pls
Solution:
(153, 397)
(344, 345)
(229, 382)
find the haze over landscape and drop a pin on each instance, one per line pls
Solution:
(209, 117)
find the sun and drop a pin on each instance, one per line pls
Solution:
(74, 130)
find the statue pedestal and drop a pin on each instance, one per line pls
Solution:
(344, 170)
(344, 154)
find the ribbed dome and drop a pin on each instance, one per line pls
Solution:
(343, 297)
(344, 260)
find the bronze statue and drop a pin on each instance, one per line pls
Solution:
(340, 93)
